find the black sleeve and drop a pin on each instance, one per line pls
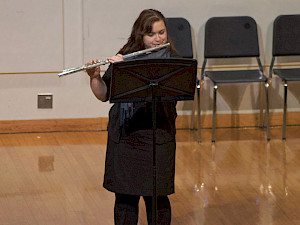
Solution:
(107, 79)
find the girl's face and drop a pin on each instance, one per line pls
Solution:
(158, 36)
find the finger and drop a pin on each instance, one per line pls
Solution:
(111, 59)
(116, 58)
(120, 56)
(89, 62)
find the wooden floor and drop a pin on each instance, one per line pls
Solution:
(56, 179)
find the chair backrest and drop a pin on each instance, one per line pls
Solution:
(286, 35)
(179, 31)
(231, 37)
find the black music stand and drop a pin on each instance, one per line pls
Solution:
(153, 80)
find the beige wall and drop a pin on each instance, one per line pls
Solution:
(39, 38)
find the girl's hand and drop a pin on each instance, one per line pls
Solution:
(116, 58)
(94, 71)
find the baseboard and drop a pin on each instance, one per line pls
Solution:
(53, 125)
(100, 124)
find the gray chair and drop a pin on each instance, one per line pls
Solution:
(179, 31)
(286, 42)
(233, 37)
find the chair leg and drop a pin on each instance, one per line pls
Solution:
(214, 114)
(267, 110)
(284, 111)
(261, 117)
(193, 111)
(199, 109)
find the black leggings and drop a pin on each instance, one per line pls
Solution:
(126, 209)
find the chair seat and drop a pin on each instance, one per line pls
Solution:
(236, 76)
(288, 74)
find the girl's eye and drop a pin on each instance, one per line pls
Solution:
(152, 33)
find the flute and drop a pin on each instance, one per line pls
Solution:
(103, 62)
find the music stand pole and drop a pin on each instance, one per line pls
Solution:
(154, 197)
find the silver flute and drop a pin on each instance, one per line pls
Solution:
(103, 62)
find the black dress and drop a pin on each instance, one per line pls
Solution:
(129, 156)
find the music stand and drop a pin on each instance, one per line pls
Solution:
(153, 80)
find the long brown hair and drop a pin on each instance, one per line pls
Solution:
(141, 27)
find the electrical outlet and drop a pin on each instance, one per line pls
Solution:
(45, 101)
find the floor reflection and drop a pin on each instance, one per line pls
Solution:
(240, 182)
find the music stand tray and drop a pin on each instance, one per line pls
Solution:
(174, 79)
(153, 80)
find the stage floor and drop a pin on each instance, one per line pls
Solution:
(56, 179)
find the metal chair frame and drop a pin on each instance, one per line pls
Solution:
(260, 77)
